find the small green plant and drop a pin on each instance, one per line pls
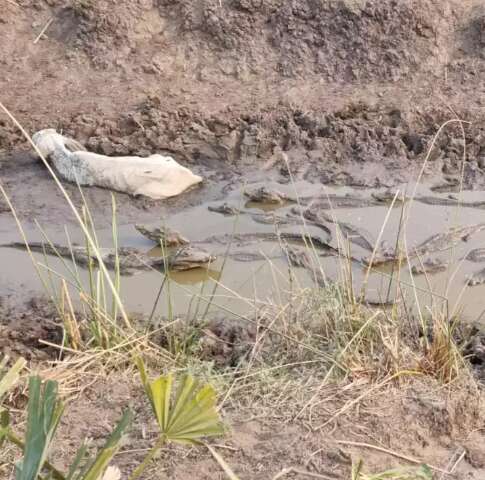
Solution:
(186, 415)
(44, 413)
(423, 472)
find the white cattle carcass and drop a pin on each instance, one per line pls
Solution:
(155, 176)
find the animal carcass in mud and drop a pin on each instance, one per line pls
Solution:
(129, 259)
(156, 176)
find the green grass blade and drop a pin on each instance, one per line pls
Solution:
(109, 449)
(4, 425)
(189, 415)
(44, 413)
(356, 470)
(117, 280)
(80, 456)
(203, 430)
(166, 402)
(11, 377)
(145, 381)
(158, 392)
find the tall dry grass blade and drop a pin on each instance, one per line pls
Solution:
(117, 272)
(44, 29)
(458, 206)
(75, 212)
(226, 256)
(376, 247)
(407, 458)
(70, 320)
(428, 156)
(223, 464)
(54, 249)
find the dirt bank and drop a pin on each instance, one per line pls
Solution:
(22, 328)
(337, 85)
(415, 420)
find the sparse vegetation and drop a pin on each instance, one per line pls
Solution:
(317, 338)
(186, 417)
(310, 378)
(421, 473)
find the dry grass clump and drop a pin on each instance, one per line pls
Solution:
(355, 340)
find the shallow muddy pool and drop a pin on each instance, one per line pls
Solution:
(311, 236)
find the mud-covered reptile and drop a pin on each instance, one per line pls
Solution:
(130, 259)
(315, 214)
(162, 235)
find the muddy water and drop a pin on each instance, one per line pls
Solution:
(255, 270)
(422, 222)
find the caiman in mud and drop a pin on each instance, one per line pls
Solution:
(323, 202)
(270, 218)
(477, 255)
(349, 232)
(298, 257)
(130, 259)
(429, 267)
(436, 243)
(224, 209)
(388, 197)
(477, 278)
(333, 201)
(268, 195)
(247, 238)
(451, 201)
(443, 241)
(162, 235)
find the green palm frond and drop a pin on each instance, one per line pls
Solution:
(186, 415)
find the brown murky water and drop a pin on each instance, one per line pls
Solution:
(257, 271)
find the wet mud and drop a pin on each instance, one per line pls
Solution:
(342, 92)
(249, 259)
(342, 99)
